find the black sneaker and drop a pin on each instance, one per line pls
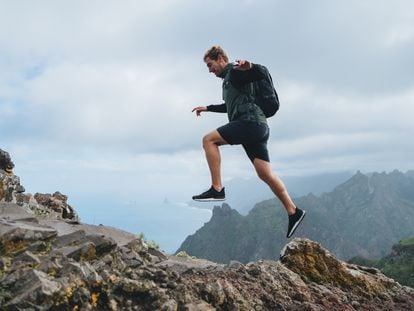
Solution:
(210, 195)
(294, 221)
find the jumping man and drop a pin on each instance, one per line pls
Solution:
(247, 127)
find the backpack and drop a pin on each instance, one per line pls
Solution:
(265, 95)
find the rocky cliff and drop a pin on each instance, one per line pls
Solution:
(49, 260)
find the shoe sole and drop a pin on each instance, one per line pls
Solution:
(297, 224)
(208, 200)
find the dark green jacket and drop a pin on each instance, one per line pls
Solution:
(237, 95)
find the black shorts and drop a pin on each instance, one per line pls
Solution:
(252, 136)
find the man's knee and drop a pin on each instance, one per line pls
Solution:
(265, 175)
(207, 140)
(213, 138)
(263, 170)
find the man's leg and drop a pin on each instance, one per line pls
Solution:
(211, 142)
(264, 171)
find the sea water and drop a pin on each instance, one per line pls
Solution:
(166, 222)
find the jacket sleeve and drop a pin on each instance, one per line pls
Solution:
(217, 108)
(240, 78)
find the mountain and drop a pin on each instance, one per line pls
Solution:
(399, 264)
(243, 194)
(50, 260)
(363, 216)
(410, 174)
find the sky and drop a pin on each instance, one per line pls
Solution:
(96, 96)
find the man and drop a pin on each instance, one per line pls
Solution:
(247, 126)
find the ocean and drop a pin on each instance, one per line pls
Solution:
(167, 223)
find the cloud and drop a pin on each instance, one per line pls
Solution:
(141, 104)
(320, 129)
(121, 79)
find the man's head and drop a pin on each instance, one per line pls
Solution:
(216, 59)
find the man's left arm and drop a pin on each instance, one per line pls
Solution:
(246, 72)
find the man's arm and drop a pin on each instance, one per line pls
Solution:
(212, 108)
(217, 108)
(246, 72)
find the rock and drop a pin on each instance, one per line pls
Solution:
(315, 264)
(57, 202)
(26, 259)
(156, 255)
(84, 252)
(199, 306)
(102, 244)
(6, 164)
(33, 288)
(170, 305)
(16, 237)
(9, 186)
(135, 286)
(49, 205)
(47, 263)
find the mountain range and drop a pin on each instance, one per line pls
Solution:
(364, 216)
(50, 260)
(243, 194)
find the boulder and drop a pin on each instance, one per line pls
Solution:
(6, 164)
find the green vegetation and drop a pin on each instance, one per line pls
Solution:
(401, 271)
(183, 254)
(407, 242)
(362, 261)
(399, 265)
(150, 243)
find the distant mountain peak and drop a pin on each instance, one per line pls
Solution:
(224, 211)
(363, 216)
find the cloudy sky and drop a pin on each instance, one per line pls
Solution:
(96, 96)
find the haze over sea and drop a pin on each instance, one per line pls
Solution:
(167, 223)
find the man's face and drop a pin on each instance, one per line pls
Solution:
(215, 66)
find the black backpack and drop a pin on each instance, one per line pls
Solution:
(265, 95)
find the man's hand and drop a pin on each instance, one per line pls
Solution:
(243, 65)
(199, 110)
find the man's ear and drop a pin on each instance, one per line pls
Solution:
(220, 59)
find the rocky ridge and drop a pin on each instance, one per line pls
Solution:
(52, 205)
(52, 261)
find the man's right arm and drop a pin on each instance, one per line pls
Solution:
(212, 108)
(217, 108)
